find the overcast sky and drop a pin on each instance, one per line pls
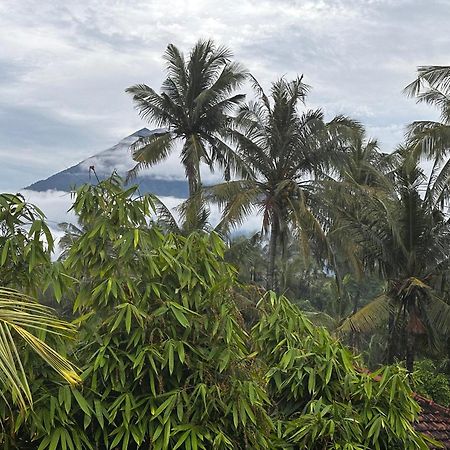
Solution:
(64, 65)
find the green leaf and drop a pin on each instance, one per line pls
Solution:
(82, 402)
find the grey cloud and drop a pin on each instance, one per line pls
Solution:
(66, 64)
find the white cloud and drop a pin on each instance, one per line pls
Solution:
(66, 64)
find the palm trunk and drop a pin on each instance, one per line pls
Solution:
(194, 202)
(353, 334)
(193, 184)
(410, 353)
(272, 255)
(391, 335)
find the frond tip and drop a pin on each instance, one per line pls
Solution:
(21, 315)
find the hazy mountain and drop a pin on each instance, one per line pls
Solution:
(116, 158)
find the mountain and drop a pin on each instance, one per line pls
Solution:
(115, 158)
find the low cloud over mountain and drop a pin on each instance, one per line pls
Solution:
(166, 180)
(162, 180)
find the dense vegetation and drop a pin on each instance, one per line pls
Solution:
(173, 339)
(168, 359)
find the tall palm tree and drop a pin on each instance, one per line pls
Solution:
(432, 86)
(432, 138)
(284, 151)
(193, 108)
(406, 239)
(364, 164)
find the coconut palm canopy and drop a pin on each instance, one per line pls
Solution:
(406, 238)
(285, 151)
(193, 106)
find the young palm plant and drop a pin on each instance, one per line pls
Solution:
(193, 108)
(403, 237)
(285, 151)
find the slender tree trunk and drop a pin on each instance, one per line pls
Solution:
(354, 334)
(410, 353)
(194, 183)
(391, 336)
(195, 202)
(272, 254)
(191, 186)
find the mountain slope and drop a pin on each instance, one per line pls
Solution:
(115, 158)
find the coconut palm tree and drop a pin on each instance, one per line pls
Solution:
(432, 138)
(406, 239)
(432, 86)
(193, 108)
(284, 151)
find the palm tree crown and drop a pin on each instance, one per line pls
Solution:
(432, 138)
(193, 107)
(406, 238)
(283, 150)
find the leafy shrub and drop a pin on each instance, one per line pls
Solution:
(169, 363)
(432, 383)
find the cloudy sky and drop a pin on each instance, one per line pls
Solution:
(64, 65)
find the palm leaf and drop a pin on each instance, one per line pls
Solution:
(438, 312)
(21, 315)
(150, 150)
(368, 318)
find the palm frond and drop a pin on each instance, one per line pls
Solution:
(164, 216)
(150, 105)
(438, 312)
(150, 150)
(176, 66)
(260, 92)
(368, 318)
(237, 198)
(22, 315)
(435, 76)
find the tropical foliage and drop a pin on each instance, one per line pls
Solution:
(406, 239)
(178, 344)
(431, 380)
(168, 361)
(285, 151)
(25, 262)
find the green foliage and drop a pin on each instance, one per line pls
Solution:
(321, 397)
(25, 324)
(285, 151)
(432, 383)
(22, 320)
(169, 363)
(165, 358)
(195, 100)
(404, 237)
(25, 244)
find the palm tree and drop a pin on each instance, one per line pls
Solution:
(406, 239)
(193, 108)
(432, 138)
(364, 164)
(432, 86)
(284, 151)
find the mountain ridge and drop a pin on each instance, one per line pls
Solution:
(116, 158)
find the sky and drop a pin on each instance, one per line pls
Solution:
(65, 65)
